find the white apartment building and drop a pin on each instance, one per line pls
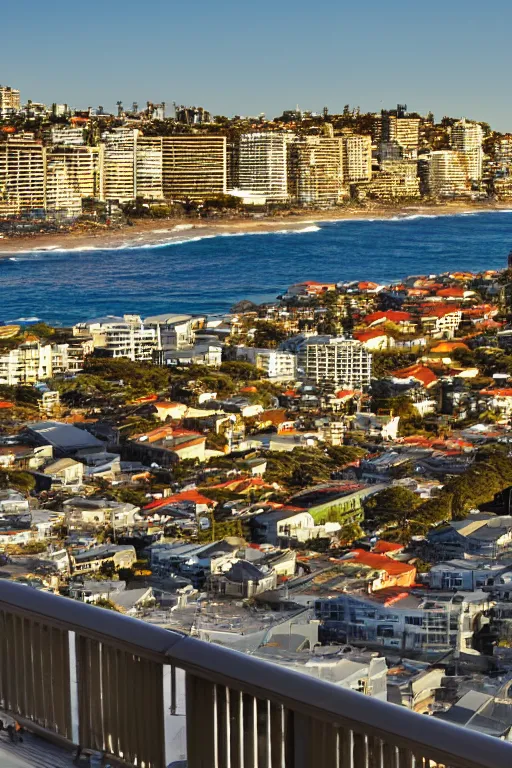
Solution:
(357, 158)
(448, 176)
(274, 363)
(32, 362)
(343, 361)
(118, 181)
(9, 101)
(67, 136)
(173, 331)
(72, 173)
(262, 165)
(194, 167)
(22, 174)
(120, 336)
(315, 170)
(404, 130)
(467, 137)
(149, 167)
(396, 178)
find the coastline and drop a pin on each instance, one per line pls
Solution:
(149, 233)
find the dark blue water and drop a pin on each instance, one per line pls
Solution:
(210, 275)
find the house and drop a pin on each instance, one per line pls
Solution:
(396, 619)
(242, 580)
(65, 439)
(482, 535)
(466, 575)
(65, 472)
(166, 445)
(482, 712)
(385, 427)
(197, 502)
(374, 339)
(83, 512)
(415, 373)
(282, 525)
(444, 351)
(441, 321)
(119, 556)
(499, 400)
(403, 320)
(386, 572)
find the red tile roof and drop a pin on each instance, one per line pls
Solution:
(419, 372)
(382, 547)
(390, 316)
(380, 562)
(193, 496)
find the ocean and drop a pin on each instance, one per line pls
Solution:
(210, 274)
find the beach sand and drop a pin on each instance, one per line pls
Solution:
(145, 232)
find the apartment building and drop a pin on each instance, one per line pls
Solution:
(398, 126)
(274, 363)
(315, 170)
(9, 101)
(118, 180)
(262, 165)
(467, 137)
(448, 176)
(67, 136)
(32, 362)
(22, 175)
(396, 179)
(194, 167)
(149, 167)
(356, 158)
(343, 361)
(124, 336)
(72, 173)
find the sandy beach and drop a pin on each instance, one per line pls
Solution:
(150, 232)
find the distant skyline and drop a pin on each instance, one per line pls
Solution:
(234, 58)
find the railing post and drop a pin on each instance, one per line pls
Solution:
(175, 726)
(73, 688)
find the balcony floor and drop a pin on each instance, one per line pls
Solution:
(32, 753)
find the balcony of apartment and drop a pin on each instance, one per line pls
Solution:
(154, 698)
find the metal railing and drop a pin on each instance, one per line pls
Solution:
(154, 697)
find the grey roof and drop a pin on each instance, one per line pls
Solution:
(169, 318)
(243, 571)
(104, 550)
(63, 436)
(129, 598)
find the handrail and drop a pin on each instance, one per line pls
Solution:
(437, 739)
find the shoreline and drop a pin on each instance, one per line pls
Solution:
(153, 233)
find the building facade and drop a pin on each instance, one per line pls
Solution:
(342, 361)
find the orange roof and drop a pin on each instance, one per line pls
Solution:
(449, 346)
(363, 336)
(455, 292)
(380, 562)
(390, 316)
(497, 392)
(416, 371)
(6, 404)
(194, 496)
(438, 311)
(345, 394)
(367, 286)
(386, 546)
(249, 389)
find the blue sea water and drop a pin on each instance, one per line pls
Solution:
(211, 274)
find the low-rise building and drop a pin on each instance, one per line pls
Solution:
(119, 556)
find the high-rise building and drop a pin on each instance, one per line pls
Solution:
(72, 173)
(149, 167)
(315, 170)
(467, 137)
(118, 167)
(357, 158)
(262, 165)
(396, 178)
(67, 136)
(22, 174)
(448, 176)
(398, 126)
(9, 101)
(194, 167)
(339, 360)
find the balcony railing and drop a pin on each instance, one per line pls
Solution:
(153, 697)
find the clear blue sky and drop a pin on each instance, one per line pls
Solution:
(264, 56)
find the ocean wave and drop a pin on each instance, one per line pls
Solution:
(27, 320)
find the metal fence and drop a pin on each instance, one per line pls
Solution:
(153, 698)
